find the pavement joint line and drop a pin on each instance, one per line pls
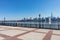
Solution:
(25, 33)
(40, 32)
(48, 35)
(6, 37)
(18, 29)
(13, 29)
(12, 38)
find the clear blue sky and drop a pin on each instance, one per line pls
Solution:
(18, 9)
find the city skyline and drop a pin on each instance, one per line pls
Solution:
(19, 9)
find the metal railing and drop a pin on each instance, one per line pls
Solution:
(34, 25)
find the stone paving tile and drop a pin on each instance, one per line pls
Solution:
(32, 36)
(1, 38)
(43, 30)
(56, 31)
(12, 32)
(54, 37)
(12, 38)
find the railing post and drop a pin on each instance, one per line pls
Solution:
(16, 23)
(58, 26)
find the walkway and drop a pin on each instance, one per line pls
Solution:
(21, 33)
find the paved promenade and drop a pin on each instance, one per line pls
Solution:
(21, 33)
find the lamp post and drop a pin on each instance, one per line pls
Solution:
(4, 20)
(39, 21)
(16, 23)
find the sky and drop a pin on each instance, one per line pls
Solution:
(19, 9)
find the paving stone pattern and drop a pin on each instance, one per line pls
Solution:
(21, 33)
